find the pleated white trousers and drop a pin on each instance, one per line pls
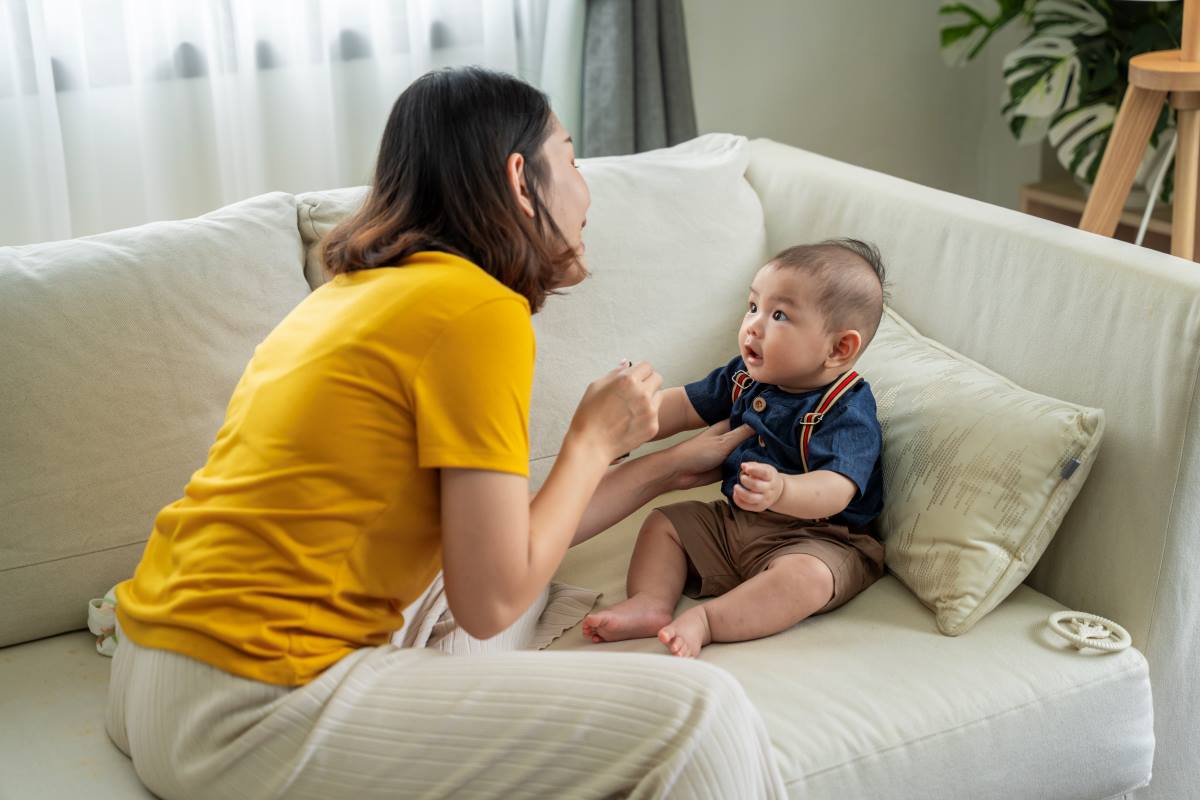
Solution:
(411, 722)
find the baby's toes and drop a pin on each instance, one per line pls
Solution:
(672, 640)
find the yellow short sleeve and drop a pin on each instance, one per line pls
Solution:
(471, 391)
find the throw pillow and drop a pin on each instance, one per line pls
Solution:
(978, 472)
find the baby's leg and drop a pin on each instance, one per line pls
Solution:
(657, 572)
(792, 587)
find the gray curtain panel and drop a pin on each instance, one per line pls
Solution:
(637, 87)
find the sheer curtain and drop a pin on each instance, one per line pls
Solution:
(117, 112)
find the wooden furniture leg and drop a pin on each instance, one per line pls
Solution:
(1195, 256)
(1131, 133)
(1187, 171)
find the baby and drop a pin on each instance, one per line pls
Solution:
(791, 539)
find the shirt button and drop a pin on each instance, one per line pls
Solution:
(759, 404)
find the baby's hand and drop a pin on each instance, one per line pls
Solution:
(759, 486)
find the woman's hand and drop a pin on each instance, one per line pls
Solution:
(619, 411)
(697, 461)
(759, 486)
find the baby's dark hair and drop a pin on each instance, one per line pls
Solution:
(851, 280)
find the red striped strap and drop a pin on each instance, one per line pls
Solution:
(842, 385)
(741, 382)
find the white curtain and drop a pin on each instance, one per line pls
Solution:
(118, 112)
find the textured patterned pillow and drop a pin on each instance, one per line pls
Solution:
(978, 472)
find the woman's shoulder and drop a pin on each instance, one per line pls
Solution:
(439, 283)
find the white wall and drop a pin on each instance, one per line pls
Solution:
(861, 81)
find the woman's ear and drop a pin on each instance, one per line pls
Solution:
(846, 348)
(514, 170)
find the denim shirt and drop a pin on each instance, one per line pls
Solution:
(848, 440)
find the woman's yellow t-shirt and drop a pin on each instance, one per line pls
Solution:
(315, 520)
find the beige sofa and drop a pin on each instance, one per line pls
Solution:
(121, 350)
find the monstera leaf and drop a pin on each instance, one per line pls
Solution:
(1080, 136)
(966, 29)
(1067, 18)
(1042, 77)
(1067, 78)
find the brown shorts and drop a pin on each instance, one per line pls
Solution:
(726, 546)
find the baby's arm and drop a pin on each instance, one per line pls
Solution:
(676, 413)
(813, 495)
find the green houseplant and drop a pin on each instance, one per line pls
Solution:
(1065, 81)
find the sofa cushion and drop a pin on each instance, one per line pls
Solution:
(681, 224)
(317, 214)
(121, 351)
(854, 698)
(977, 472)
(52, 742)
(851, 700)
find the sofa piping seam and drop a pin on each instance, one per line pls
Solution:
(74, 555)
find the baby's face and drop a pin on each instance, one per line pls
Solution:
(783, 338)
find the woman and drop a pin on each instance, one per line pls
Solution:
(379, 434)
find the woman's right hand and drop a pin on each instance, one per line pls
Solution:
(697, 461)
(619, 411)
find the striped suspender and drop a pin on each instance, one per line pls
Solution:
(839, 388)
(741, 381)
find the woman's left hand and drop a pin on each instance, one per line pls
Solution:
(697, 461)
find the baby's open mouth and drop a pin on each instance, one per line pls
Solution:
(750, 355)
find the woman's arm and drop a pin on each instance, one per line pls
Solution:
(498, 548)
(676, 413)
(629, 486)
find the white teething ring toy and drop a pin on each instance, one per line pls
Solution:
(1089, 630)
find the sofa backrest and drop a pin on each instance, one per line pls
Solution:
(120, 354)
(123, 349)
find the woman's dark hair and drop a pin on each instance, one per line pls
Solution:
(440, 184)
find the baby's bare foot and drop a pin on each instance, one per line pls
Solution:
(687, 633)
(635, 618)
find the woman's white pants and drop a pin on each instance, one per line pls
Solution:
(411, 722)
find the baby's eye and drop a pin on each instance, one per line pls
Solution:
(753, 307)
(779, 316)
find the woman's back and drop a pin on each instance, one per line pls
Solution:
(315, 520)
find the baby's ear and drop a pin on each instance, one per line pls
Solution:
(846, 348)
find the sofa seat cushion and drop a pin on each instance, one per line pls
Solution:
(872, 690)
(851, 699)
(52, 742)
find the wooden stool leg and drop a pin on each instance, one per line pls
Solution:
(1187, 164)
(1126, 147)
(1196, 250)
